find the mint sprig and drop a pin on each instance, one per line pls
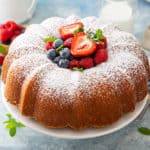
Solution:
(50, 39)
(144, 130)
(77, 69)
(11, 124)
(96, 37)
(78, 30)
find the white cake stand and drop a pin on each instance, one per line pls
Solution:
(69, 133)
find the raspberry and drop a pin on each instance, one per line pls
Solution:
(1, 60)
(86, 62)
(74, 63)
(49, 45)
(101, 56)
(10, 25)
(5, 34)
(104, 40)
(100, 46)
(15, 34)
(68, 42)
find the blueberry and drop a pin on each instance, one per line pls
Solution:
(51, 54)
(57, 43)
(92, 34)
(65, 53)
(56, 60)
(71, 57)
(63, 63)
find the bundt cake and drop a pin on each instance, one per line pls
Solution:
(58, 97)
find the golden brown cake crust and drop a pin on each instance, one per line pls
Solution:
(58, 97)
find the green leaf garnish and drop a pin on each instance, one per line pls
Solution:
(96, 37)
(11, 124)
(78, 69)
(50, 39)
(144, 130)
(60, 47)
(3, 50)
(78, 30)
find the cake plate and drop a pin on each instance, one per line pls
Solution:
(67, 133)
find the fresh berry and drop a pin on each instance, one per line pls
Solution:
(51, 54)
(5, 34)
(15, 34)
(68, 31)
(0, 69)
(56, 60)
(100, 46)
(20, 27)
(104, 40)
(49, 45)
(68, 42)
(74, 63)
(71, 57)
(82, 46)
(57, 43)
(10, 25)
(1, 60)
(86, 62)
(64, 63)
(101, 56)
(65, 53)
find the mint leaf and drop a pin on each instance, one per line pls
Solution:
(3, 49)
(78, 30)
(96, 37)
(99, 34)
(12, 132)
(78, 69)
(60, 47)
(50, 39)
(11, 124)
(144, 130)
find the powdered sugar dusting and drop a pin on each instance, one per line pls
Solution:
(26, 40)
(53, 24)
(37, 30)
(125, 63)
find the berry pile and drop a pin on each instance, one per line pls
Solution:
(76, 49)
(9, 31)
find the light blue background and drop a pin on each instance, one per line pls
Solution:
(125, 139)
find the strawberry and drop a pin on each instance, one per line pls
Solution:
(68, 42)
(74, 63)
(86, 62)
(100, 56)
(1, 60)
(104, 40)
(49, 45)
(82, 46)
(68, 31)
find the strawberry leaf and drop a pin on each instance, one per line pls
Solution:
(78, 30)
(144, 130)
(78, 69)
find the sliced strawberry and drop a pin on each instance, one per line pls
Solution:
(104, 40)
(82, 46)
(68, 31)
